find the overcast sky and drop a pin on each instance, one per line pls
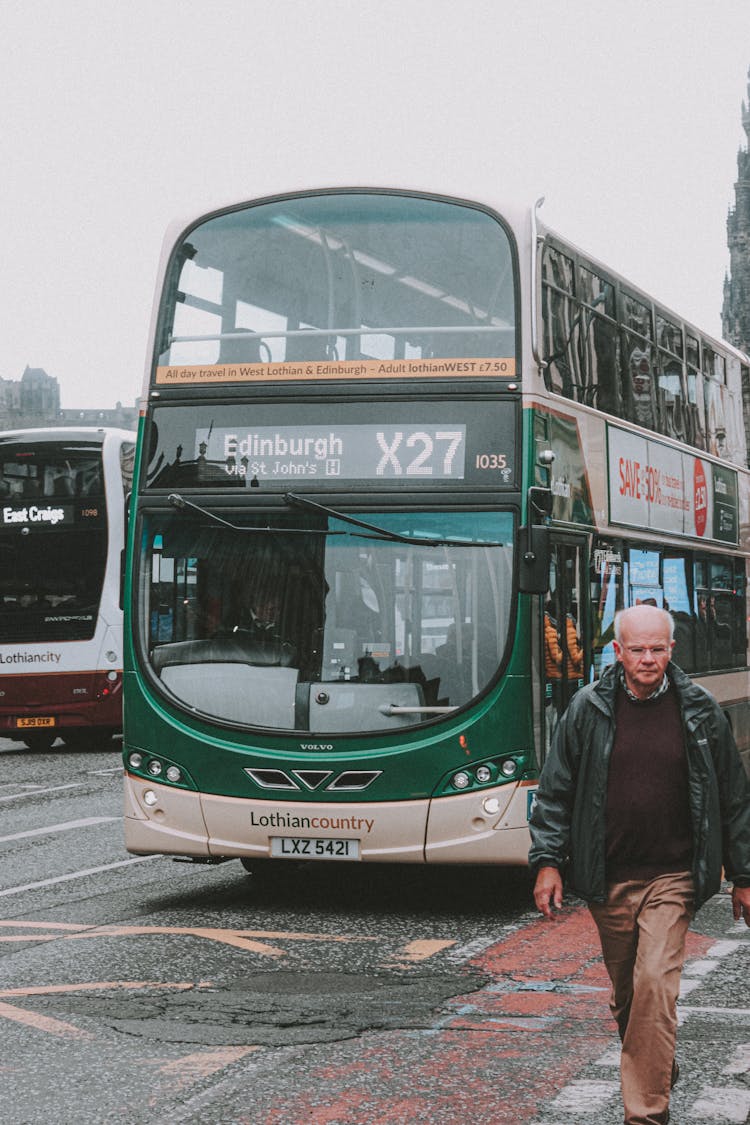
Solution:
(119, 117)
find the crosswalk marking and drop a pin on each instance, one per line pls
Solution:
(730, 1106)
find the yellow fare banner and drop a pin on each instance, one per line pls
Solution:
(205, 374)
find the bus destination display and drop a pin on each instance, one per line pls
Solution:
(352, 452)
(408, 444)
(24, 517)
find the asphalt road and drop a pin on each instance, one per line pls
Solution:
(140, 990)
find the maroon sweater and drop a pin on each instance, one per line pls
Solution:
(648, 830)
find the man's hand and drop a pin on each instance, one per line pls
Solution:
(548, 892)
(740, 903)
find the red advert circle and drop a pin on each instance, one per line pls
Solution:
(700, 498)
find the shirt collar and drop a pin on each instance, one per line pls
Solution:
(656, 694)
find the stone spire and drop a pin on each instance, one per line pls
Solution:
(735, 314)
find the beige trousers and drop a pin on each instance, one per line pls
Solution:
(642, 927)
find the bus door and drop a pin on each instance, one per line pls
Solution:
(563, 661)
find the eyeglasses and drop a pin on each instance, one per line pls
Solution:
(641, 650)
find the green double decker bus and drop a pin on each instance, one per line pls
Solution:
(392, 445)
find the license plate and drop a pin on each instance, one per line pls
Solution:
(35, 721)
(297, 847)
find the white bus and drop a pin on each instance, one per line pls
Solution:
(62, 504)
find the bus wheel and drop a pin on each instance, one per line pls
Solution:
(265, 869)
(39, 742)
(88, 739)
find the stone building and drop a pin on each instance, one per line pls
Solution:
(34, 400)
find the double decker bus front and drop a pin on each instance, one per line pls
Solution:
(57, 621)
(324, 658)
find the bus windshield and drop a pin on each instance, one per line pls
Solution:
(304, 621)
(340, 285)
(53, 541)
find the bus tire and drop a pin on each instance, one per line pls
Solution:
(88, 739)
(264, 869)
(39, 743)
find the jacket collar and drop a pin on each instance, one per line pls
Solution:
(694, 702)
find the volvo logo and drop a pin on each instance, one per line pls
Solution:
(316, 746)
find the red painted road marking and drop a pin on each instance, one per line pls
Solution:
(494, 1057)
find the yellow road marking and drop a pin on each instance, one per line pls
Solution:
(225, 937)
(201, 1064)
(183, 1072)
(43, 1023)
(93, 986)
(415, 951)
(249, 941)
(46, 925)
(61, 1028)
(238, 939)
(28, 937)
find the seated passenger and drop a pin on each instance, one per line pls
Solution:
(259, 626)
(261, 616)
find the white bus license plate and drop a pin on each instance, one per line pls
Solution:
(297, 847)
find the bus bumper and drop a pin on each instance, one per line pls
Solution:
(160, 819)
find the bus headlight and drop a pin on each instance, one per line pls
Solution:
(161, 769)
(509, 768)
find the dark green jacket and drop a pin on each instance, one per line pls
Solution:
(567, 824)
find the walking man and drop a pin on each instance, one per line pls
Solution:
(641, 803)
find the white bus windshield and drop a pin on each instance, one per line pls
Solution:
(53, 541)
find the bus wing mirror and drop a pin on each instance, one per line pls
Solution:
(533, 559)
(534, 543)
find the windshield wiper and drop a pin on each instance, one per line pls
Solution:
(293, 500)
(179, 502)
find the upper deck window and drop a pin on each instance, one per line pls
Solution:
(596, 292)
(636, 316)
(617, 351)
(48, 469)
(339, 286)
